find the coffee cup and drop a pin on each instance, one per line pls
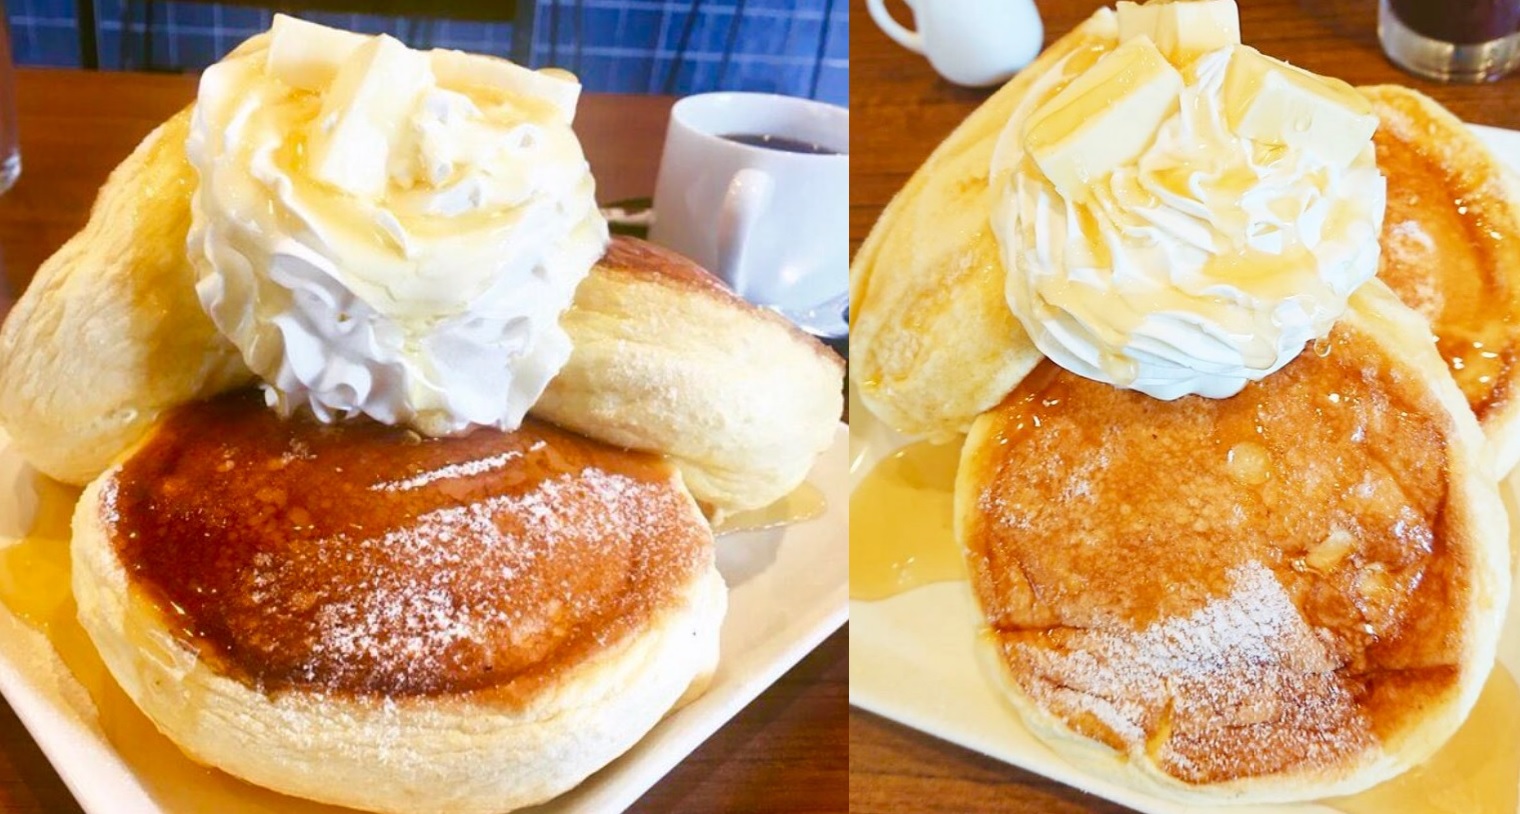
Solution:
(755, 188)
(969, 42)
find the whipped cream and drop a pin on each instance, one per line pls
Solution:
(1207, 260)
(387, 231)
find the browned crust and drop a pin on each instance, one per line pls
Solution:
(639, 259)
(286, 554)
(1102, 514)
(1442, 179)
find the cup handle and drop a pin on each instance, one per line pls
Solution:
(749, 193)
(910, 40)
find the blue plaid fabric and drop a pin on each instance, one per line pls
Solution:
(794, 47)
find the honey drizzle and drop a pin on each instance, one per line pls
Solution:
(804, 503)
(35, 586)
(901, 515)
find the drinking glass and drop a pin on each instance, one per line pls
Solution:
(10, 144)
(1451, 40)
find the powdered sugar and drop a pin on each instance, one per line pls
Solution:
(108, 511)
(1408, 252)
(427, 598)
(483, 561)
(1241, 685)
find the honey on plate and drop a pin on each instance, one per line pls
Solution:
(1476, 772)
(901, 523)
(35, 586)
(804, 503)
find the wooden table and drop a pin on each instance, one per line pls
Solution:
(901, 111)
(785, 752)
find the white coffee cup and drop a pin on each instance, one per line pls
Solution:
(772, 223)
(969, 42)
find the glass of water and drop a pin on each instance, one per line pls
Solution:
(10, 142)
(1452, 40)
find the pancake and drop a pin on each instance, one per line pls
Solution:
(932, 341)
(927, 286)
(1451, 250)
(668, 360)
(359, 616)
(110, 335)
(1291, 594)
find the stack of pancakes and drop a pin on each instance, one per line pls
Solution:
(357, 615)
(1286, 595)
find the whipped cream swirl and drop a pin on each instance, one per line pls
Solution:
(1210, 261)
(390, 232)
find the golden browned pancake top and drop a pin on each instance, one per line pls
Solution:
(1451, 249)
(657, 264)
(362, 559)
(1240, 587)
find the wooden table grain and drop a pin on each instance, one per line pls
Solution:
(901, 110)
(785, 752)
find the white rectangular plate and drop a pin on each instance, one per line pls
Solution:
(913, 657)
(787, 592)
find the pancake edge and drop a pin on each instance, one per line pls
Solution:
(1457, 146)
(1403, 334)
(468, 752)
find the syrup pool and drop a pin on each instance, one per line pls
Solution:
(35, 587)
(901, 532)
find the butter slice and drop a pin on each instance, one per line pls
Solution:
(1182, 29)
(1105, 118)
(307, 55)
(456, 70)
(363, 110)
(1272, 102)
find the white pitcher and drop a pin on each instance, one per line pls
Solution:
(969, 42)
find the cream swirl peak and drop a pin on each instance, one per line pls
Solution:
(388, 231)
(1186, 221)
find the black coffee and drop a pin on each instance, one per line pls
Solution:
(1464, 22)
(782, 143)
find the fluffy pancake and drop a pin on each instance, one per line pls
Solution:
(110, 334)
(668, 360)
(932, 340)
(1290, 594)
(1451, 250)
(356, 615)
